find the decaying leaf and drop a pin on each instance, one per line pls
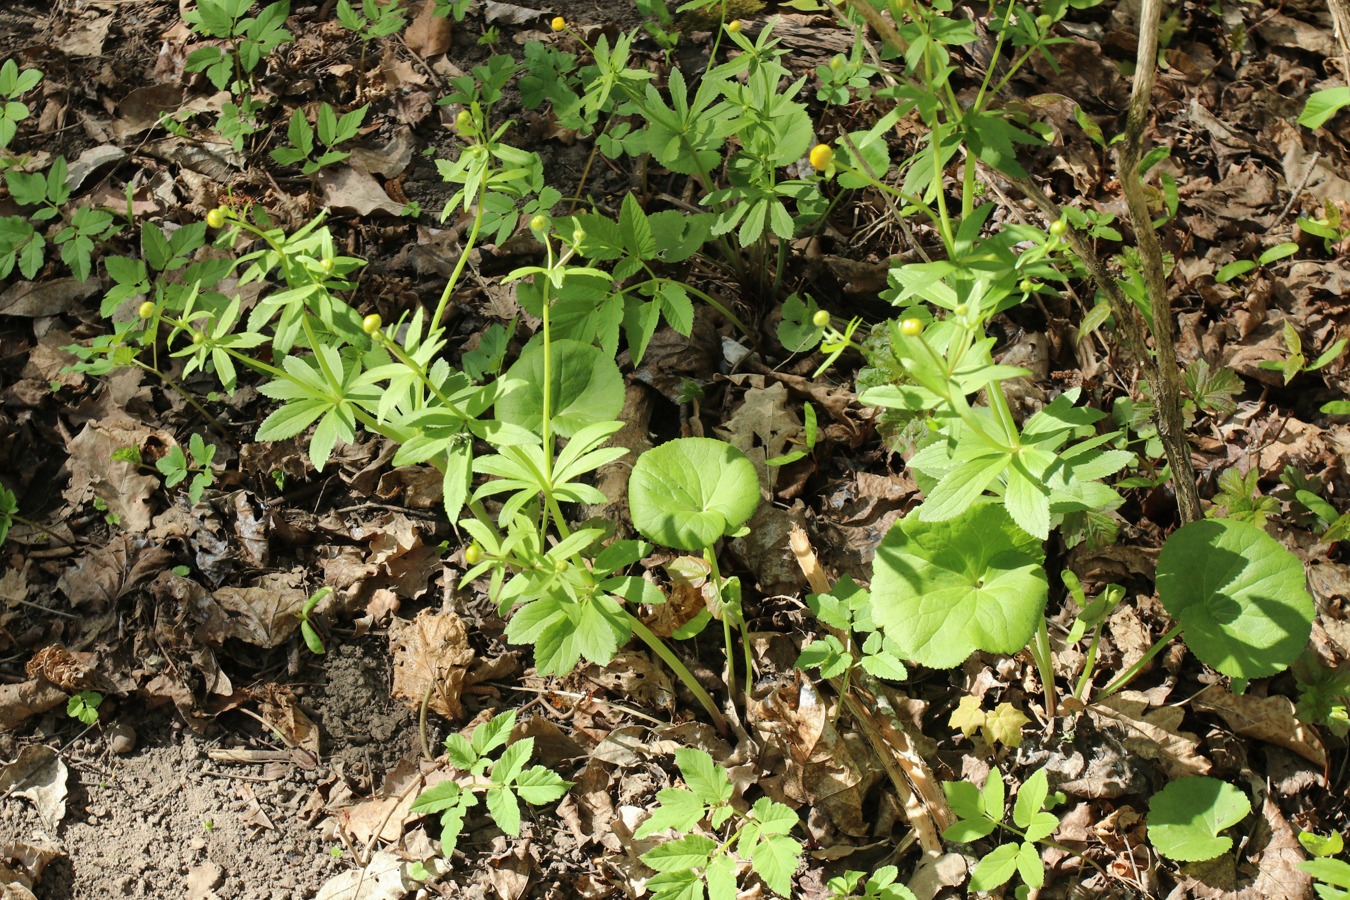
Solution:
(40, 776)
(1154, 734)
(1270, 719)
(267, 613)
(120, 484)
(281, 711)
(30, 698)
(431, 658)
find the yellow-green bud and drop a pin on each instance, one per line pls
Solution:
(911, 327)
(735, 26)
(1059, 228)
(473, 554)
(1027, 286)
(820, 319)
(147, 310)
(1043, 22)
(538, 223)
(199, 338)
(215, 218)
(578, 235)
(836, 62)
(464, 121)
(371, 323)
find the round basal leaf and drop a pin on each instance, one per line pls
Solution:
(1239, 596)
(1185, 818)
(587, 387)
(942, 590)
(689, 492)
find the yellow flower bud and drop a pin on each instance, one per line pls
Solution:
(538, 223)
(558, 23)
(821, 157)
(1059, 228)
(215, 218)
(473, 554)
(820, 319)
(734, 26)
(147, 310)
(371, 323)
(911, 327)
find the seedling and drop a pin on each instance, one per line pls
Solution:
(980, 812)
(1296, 362)
(504, 782)
(693, 861)
(1241, 267)
(308, 632)
(13, 85)
(84, 706)
(332, 130)
(248, 40)
(174, 466)
(880, 885)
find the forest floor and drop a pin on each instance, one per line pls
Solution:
(229, 761)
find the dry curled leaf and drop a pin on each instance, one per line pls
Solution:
(1269, 719)
(431, 657)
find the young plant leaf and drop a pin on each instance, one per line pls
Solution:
(1240, 597)
(587, 388)
(1185, 818)
(689, 492)
(942, 590)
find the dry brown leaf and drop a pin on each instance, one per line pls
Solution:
(632, 674)
(822, 769)
(282, 712)
(1269, 719)
(68, 671)
(267, 613)
(1154, 735)
(30, 698)
(111, 572)
(428, 34)
(40, 776)
(120, 484)
(345, 190)
(22, 864)
(431, 653)
(1267, 868)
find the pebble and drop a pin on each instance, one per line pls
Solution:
(121, 738)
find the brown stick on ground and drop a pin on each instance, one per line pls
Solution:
(920, 795)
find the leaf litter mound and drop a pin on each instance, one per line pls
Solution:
(229, 761)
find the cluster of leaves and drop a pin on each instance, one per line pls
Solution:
(504, 782)
(693, 862)
(980, 812)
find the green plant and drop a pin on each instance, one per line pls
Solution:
(1331, 227)
(1332, 876)
(1296, 362)
(13, 85)
(880, 885)
(693, 862)
(308, 632)
(1324, 694)
(1240, 499)
(22, 245)
(659, 23)
(248, 40)
(688, 494)
(504, 782)
(372, 20)
(1322, 105)
(332, 130)
(1186, 818)
(1241, 267)
(9, 507)
(84, 706)
(847, 610)
(175, 467)
(980, 812)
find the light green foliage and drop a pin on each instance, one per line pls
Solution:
(587, 388)
(1186, 818)
(1330, 227)
(942, 590)
(848, 610)
(84, 706)
(308, 632)
(175, 467)
(1324, 104)
(1003, 725)
(9, 507)
(332, 130)
(1324, 694)
(1332, 877)
(1238, 595)
(1240, 500)
(1318, 845)
(980, 812)
(504, 782)
(880, 885)
(1296, 362)
(22, 245)
(694, 862)
(373, 19)
(690, 492)
(249, 39)
(1242, 266)
(1212, 390)
(13, 85)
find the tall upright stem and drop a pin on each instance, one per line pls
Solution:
(1167, 384)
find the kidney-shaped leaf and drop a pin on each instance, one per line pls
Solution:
(1185, 818)
(1239, 596)
(586, 388)
(942, 590)
(689, 492)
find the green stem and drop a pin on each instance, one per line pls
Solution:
(1045, 666)
(1128, 675)
(711, 556)
(681, 671)
(436, 320)
(1089, 665)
